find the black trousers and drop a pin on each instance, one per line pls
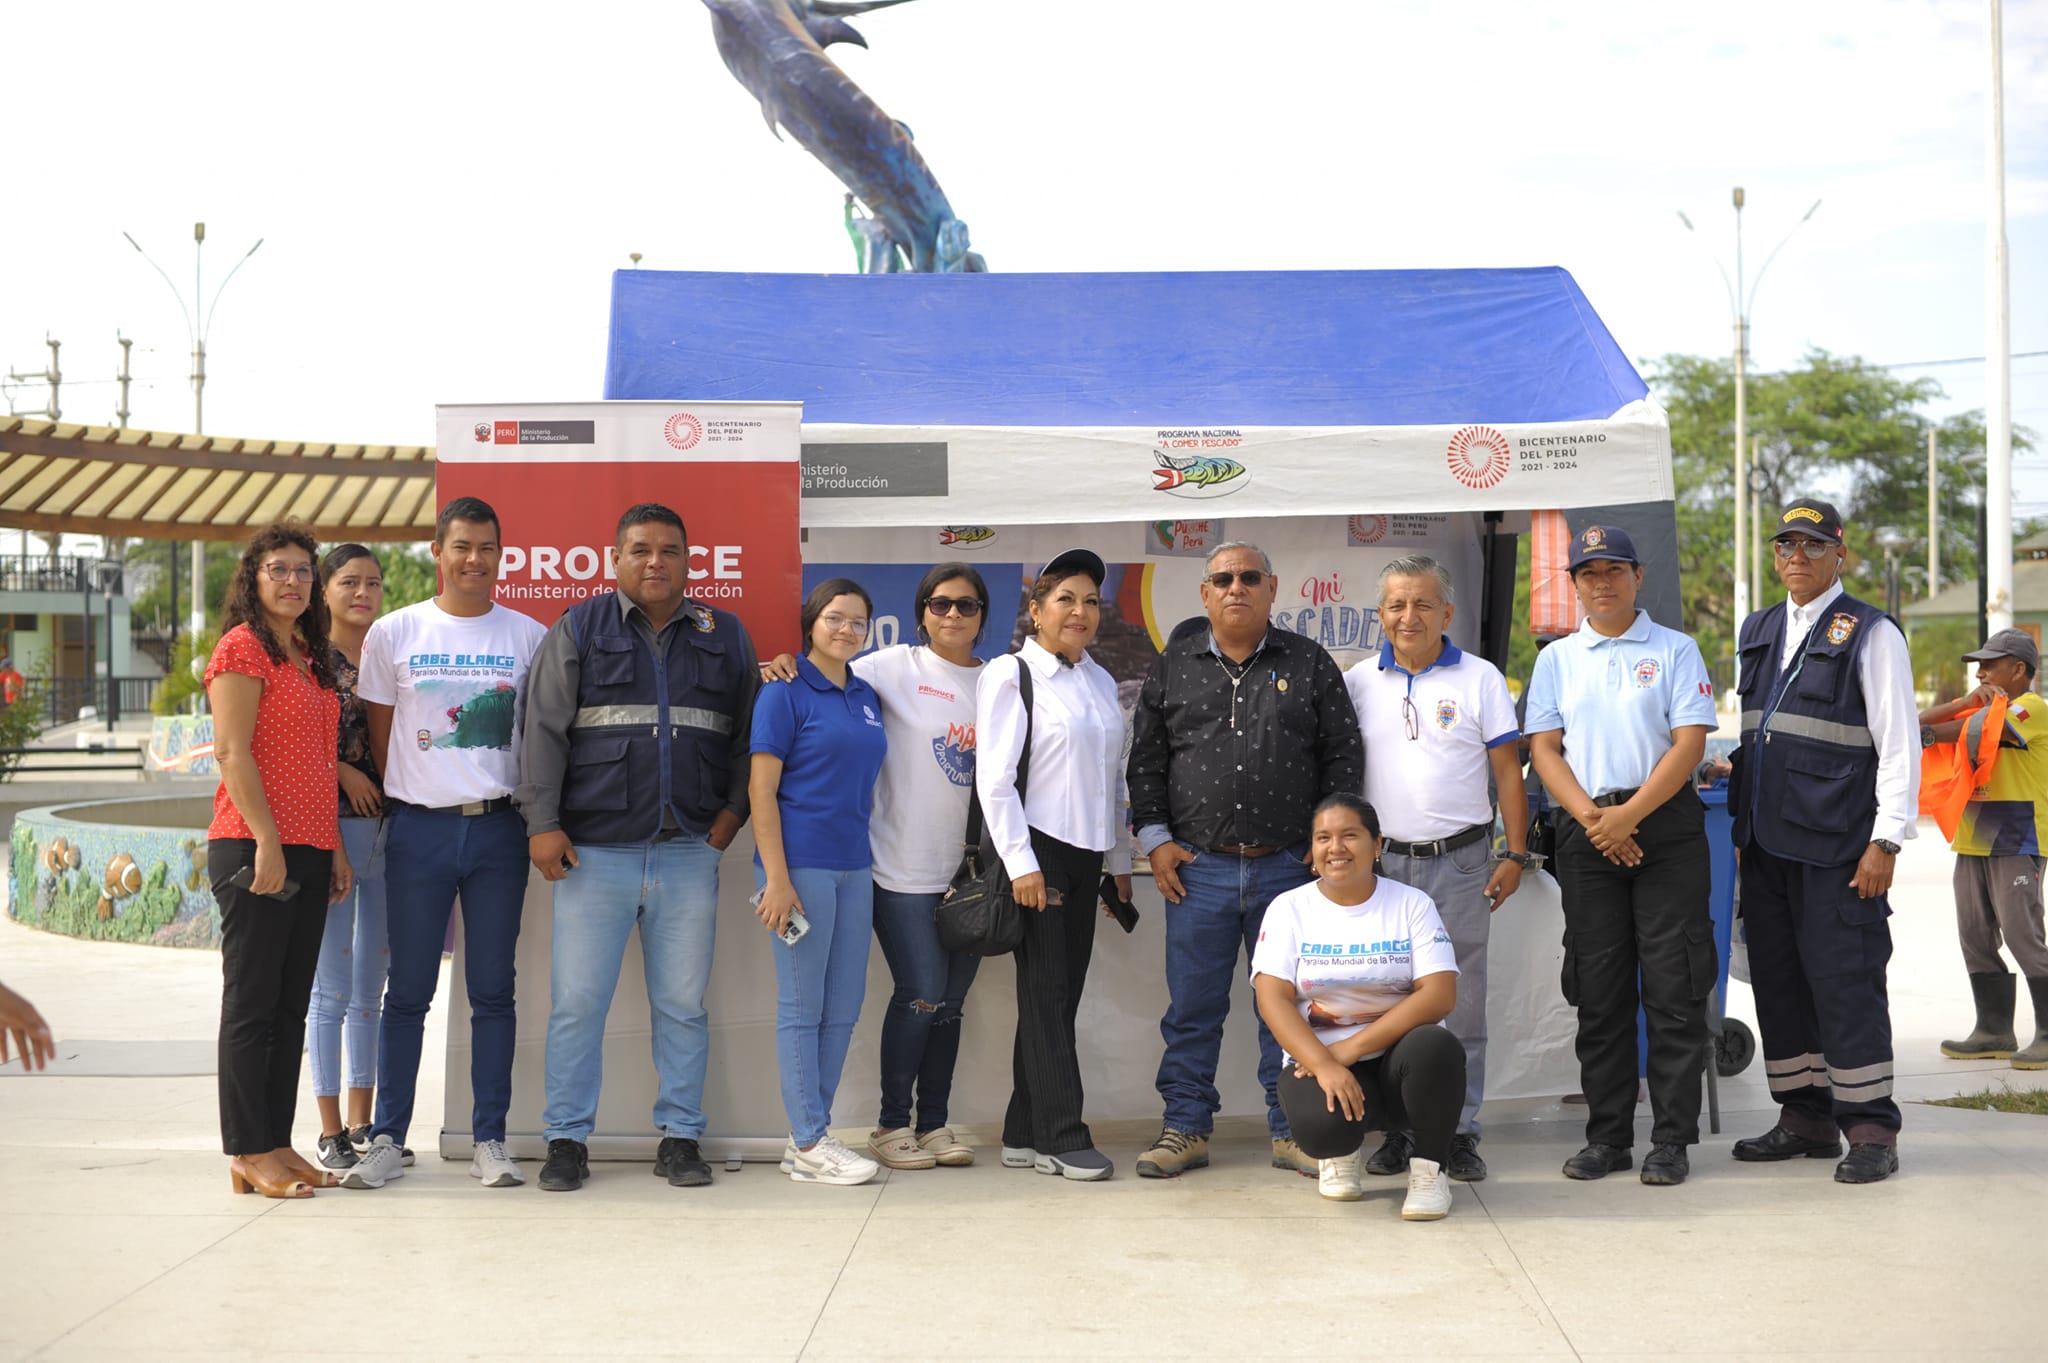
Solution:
(269, 950)
(1417, 1084)
(1817, 959)
(1052, 968)
(1649, 922)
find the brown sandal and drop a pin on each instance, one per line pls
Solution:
(244, 1178)
(312, 1176)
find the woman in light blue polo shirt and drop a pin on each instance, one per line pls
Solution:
(818, 746)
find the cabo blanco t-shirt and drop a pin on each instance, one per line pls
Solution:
(921, 797)
(1351, 963)
(456, 685)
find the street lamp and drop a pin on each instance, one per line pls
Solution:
(1891, 540)
(198, 323)
(1742, 305)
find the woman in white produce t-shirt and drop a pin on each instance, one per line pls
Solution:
(916, 837)
(1353, 974)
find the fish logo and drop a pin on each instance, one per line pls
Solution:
(966, 536)
(1207, 475)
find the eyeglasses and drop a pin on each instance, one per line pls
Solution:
(279, 572)
(835, 623)
(968, 606)
(1410, 719)
(1251, 577)
(1813, 549)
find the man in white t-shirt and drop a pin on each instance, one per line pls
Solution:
(444, 682)
(1439, 725)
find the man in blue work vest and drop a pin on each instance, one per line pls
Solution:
(634, 780)
(1825, 788)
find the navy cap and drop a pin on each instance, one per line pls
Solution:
(1602, 542)
(1073, 561)
(1810, 516)
(2009, 643)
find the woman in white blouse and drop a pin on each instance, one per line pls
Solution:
(1052, 842)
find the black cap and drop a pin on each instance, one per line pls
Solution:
(2009, 643)
(1071, 561)
(1810, 516)
(1602, 541)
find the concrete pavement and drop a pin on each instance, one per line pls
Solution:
(123, 1241)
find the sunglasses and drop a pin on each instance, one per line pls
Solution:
(967, 606)
(1813, 549)
(1251, 577)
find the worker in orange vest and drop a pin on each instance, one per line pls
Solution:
(1999, 845)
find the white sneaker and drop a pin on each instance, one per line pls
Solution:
(1019, 1157)
(1338, 1180)
(494, 1166)
(789, 1156)
(380, 1163)
(1429, 1191)
(830, 1162)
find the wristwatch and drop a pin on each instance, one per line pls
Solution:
(1927, 735)
(1521, 859)
(1886, 846)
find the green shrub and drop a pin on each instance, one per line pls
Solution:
(179, 684)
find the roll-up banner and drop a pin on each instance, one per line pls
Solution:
(560, 474)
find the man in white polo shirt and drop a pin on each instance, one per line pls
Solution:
(1437, 723)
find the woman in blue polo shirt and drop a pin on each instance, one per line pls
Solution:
(818, 746)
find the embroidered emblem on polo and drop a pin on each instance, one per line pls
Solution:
(1446, 714)
(1646, 672)
(1841, 627)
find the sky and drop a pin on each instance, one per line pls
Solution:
(443, 190)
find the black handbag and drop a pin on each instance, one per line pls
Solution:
(978, 914)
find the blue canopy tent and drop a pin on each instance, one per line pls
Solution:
(1485, 392)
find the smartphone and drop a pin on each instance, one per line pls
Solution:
(1125, 911)
(246, 877)
(793, 931)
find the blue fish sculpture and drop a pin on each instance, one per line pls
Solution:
(776, 49)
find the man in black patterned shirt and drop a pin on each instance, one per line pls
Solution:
(1240, 730)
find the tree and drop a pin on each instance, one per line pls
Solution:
(409, 574)
(1833, 427)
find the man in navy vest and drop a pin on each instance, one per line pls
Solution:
(634, 780)
(1825, 788)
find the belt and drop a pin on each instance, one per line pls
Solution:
(1615, 797)
(1248, 851)
(1440, 846)
(474, 807)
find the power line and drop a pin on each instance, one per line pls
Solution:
(1965, 359)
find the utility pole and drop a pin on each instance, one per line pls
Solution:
(1933, 517)
(124, 378)
(54, 376)
(1997, 353)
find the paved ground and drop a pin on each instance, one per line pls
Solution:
(123, 1241)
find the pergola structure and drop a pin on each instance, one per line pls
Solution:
(101, 480)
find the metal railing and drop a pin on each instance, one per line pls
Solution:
(41, 573)
(63, 697)
(16, 760)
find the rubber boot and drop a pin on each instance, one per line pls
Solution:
(2035, 1056)
(1993, 1039)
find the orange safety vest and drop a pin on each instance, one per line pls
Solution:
(1952, 773)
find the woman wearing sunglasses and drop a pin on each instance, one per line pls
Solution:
(927, 692)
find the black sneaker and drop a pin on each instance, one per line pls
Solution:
(1465, 1165)
(679, 1161)
(1392, 1156)
(568, 1165)
(359, 1137)
(336, 1152)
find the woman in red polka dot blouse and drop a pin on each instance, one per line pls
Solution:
(273, 849)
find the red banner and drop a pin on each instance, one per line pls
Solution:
(559, 475)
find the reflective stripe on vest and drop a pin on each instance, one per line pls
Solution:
(1806, 726)
(647, 716)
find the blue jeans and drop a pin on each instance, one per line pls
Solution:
(348, 987)
(819, 984)
(670, 890)
(921, 1029)
(432, 858)
(1225, 904)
